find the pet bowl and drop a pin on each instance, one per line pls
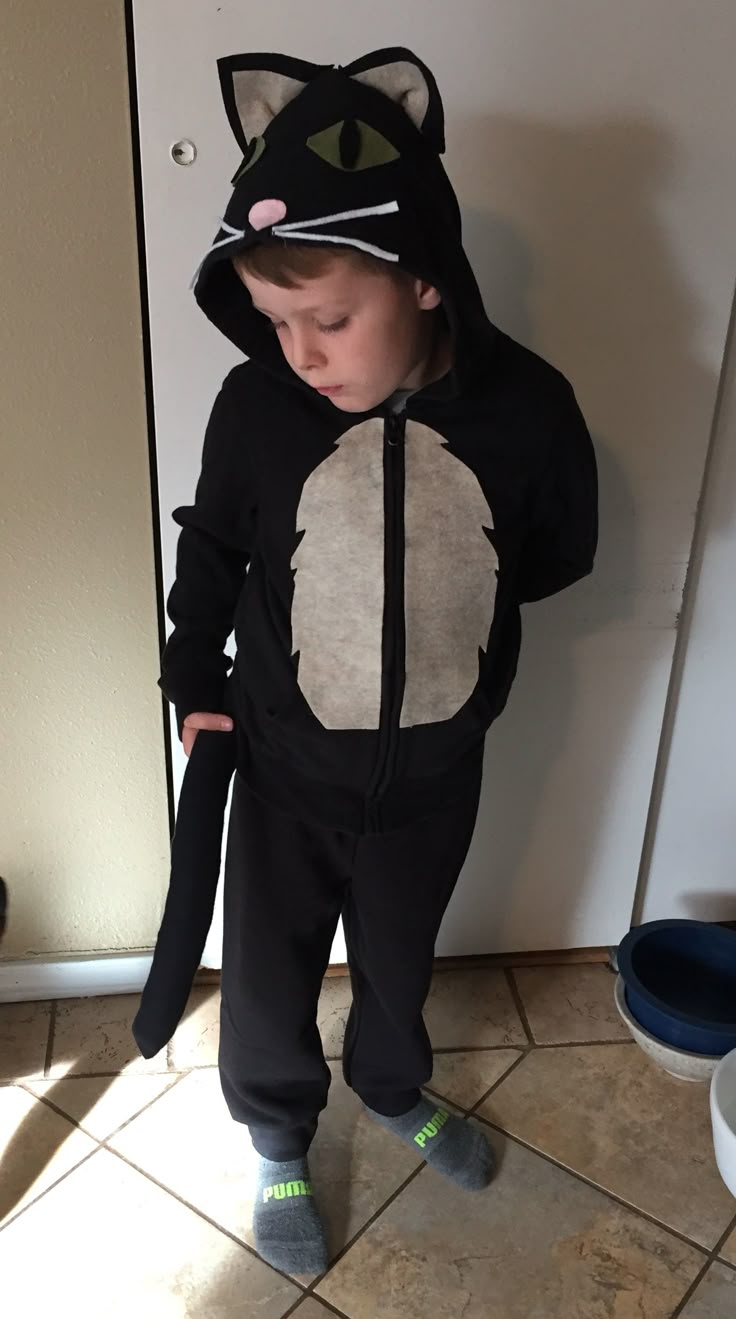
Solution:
(680, 978)
(678, 1062)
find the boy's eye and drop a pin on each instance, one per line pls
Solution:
(326, 329)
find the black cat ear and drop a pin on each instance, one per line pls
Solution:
(405, 79)
(255, 87)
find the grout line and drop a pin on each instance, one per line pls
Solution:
(310, 1295)
(514, 988)
(176, 1081)
(50, 1040)
(100, 1076)
(200, 1213)
(499, 1081)
(50, 1103)
(583, 1044)
(472, 1111)
(362, 1230)
(100, 1144)
(555, 1044)
(691, 1290)
(587, 1181)
(723, 1239)
(42, 1194)
(713, 1258)
(330, 1057)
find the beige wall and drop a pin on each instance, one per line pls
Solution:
(84, 839)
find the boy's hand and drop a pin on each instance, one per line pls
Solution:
(193, 723)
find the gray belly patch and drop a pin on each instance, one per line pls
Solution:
(449, 580)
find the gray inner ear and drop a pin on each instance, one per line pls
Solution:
(259, 96)
(404, 83)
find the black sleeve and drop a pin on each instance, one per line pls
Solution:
(562, 539)
(212, 557)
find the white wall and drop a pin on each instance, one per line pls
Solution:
(84, 843)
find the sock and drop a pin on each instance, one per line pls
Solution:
(450, 1144)
(287, 1227)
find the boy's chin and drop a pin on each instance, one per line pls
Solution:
(348, 403)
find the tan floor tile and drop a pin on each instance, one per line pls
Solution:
(24, 1033)
(612, 1115)
(464, 1077)
(94, 1035)
(354, 1163)
(196, 1039)
(332, 1013)
(102, 1104)
(113, 1244)
(472, 1009)
(536, 1244)
(37, 1146)
(728, 1250)
(570, 1004)
(714, 1297)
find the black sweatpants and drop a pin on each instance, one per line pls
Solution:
(286, 884)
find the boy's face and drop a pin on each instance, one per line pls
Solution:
(356, 329)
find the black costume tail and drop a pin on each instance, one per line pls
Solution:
(195, 868)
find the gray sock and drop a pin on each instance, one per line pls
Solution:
(287, 1227)
(449, 1143)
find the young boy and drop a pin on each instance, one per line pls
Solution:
(383, 482)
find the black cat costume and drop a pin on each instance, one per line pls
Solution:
(377, 625)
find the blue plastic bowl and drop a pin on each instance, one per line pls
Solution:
(680, 979)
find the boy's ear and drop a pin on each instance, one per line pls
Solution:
(256, 87)
(427, 295)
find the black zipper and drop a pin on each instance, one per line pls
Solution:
(394, 635)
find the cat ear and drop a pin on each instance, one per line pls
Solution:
(256, 87)
(400, 75)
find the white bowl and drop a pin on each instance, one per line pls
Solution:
(723, 1118)
(678, 1062)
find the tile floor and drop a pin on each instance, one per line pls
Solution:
(125, 1185)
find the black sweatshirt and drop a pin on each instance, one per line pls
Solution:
(372, 564)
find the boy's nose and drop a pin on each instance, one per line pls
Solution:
(306, 352)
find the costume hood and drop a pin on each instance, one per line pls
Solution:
(346, 156)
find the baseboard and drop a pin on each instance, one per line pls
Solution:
(126, 973)
(73, 977)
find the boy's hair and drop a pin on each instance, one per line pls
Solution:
(287, 264)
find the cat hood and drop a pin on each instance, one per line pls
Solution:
(341, 155)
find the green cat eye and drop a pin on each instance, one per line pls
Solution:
(255, 150)
(352, 145)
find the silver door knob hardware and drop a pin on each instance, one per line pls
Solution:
(183, 152)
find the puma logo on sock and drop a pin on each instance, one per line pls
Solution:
(430, 1129)
(280, 1190)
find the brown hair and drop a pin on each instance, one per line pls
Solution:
(287, 264)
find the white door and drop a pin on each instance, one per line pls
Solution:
(591, 148)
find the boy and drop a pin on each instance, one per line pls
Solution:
(383, 482)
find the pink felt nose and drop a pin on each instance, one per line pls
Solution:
(264, 213)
